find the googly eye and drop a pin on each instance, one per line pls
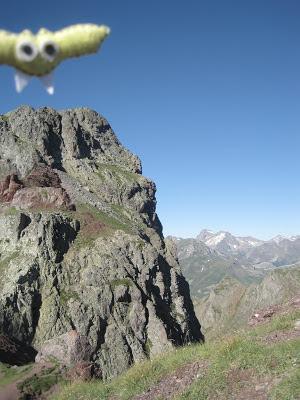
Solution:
(49, 50)
(26, 51)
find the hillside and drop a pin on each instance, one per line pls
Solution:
(262, 363)
(230, 304)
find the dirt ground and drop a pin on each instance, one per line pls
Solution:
(175, 383)
(11, 392)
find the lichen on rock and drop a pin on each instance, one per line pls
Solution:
(81, 246)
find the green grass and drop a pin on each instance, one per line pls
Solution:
(99, 215)
(93, 224)
(126, 215)
(9, 374)
(119, 174)
(37, 384)
(65, 296)
(244, 352)
(137, 379)
(278, 323)
(289, 388)
(119, 282)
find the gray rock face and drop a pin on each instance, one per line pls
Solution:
(81, 247)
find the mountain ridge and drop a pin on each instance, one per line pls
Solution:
(251, 249)
(82, 253)
(210, 256)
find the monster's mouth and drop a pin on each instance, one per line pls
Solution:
(22, 79)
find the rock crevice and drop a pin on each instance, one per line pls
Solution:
(81, 246)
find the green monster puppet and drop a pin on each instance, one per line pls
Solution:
(38, 55)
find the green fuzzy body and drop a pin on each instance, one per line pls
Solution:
(73, 41)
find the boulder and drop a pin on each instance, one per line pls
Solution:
(67, 349)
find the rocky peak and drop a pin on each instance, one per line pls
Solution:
(204, 235)
(81, 246)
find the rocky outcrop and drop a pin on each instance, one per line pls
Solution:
(40, 189)
(13, 352)
(67, 349)
(8, 187)
(81, 246)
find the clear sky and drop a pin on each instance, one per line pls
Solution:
(207, 93)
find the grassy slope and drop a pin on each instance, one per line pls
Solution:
(230, 304)
(9, 374)
(246, 353)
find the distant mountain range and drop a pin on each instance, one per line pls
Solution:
(208, 258)
(278, 251)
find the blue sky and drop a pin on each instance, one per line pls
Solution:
(207, 93)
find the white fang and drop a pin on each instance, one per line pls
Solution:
(47, 81)
(21, 80)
